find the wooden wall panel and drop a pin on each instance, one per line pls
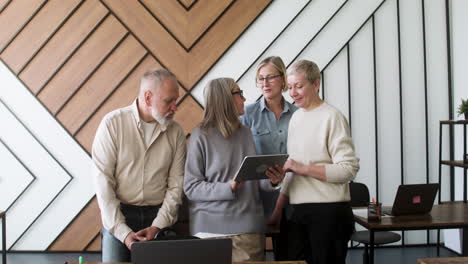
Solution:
(37, 32)
(153, 35)
(14, 16)
(64, 43)
(187, 3)
(222, 35)
(124, 96)
(189, 114)
(84, 58)
(81, 231)
(95, 244)
(187, 26)
(103, 81)
(82, 64)
(3, 4)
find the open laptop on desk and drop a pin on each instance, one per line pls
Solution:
(413, 199)
(193, 251)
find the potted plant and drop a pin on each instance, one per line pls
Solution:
(463, 108)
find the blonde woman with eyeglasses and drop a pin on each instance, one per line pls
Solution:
(220, 207)
(268, 118)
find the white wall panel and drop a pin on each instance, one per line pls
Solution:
(248, 47)
(388, 101)
(338, 32)
(414, 128)
(362, 105)
(14, 178)
(336, 83)
(295, 38)
(53, 157)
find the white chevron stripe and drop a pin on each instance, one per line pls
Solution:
(51, 176)
(14, 178)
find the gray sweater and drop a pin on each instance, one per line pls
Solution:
(211, 163)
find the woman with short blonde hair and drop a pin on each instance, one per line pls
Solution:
(219, 206)
(322, 162)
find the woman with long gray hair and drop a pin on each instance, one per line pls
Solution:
(219, 206)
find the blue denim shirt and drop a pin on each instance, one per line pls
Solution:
(270, 135)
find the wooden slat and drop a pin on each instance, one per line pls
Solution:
(82, 64)
(96, 89)
(14, 16)
(63, 44)
(153, 35)
(95, 245)
(209, 49)
(187, 3)
(124, 96)
(3, 3)
(189, 114)
(81, 231)
(37, 32)
(187, 26)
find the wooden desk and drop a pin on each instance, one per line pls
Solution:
(442, 216)
(443, 260)
(3, 216)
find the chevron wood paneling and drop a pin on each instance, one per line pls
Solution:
(84, 58)
(190, 66)
(76, 237)
(64, 43)
(187, 26)
(187, 3)
(14, 17)
(82, 64)
(40, 28)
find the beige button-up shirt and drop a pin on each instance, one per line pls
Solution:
(126, 171)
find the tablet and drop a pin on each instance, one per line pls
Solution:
(254, 167)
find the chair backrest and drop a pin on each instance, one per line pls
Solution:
(359, 194)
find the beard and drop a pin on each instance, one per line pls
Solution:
(161, 119)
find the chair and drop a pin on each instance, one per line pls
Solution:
(360, 198)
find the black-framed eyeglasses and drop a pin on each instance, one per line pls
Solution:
(240, 92)
(260, 80)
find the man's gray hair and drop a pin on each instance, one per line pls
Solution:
(157, 75)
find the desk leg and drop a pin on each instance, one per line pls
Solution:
(4, 239)
(371, 247)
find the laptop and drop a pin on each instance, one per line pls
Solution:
(193, 251)
(413, 199)
(254, 167)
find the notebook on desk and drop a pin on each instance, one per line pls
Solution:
(413, 199)
(194, 251)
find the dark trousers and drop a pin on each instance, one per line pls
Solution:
(137, 218)
(319, 232)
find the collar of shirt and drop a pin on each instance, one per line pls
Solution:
(263, 105)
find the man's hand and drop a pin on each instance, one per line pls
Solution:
(147, 233)
(276, 174)
(132, 237)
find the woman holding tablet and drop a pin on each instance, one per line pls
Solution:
(219, 206)
(322, 161)
(268, 118)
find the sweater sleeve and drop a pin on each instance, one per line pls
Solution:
(196, 185)
(341, 148)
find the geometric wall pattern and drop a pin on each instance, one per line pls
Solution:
(82, 59)
(78, 60)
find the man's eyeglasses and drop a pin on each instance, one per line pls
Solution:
(260, 80)
(240, 92)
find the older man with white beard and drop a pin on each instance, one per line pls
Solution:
(138, 166)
